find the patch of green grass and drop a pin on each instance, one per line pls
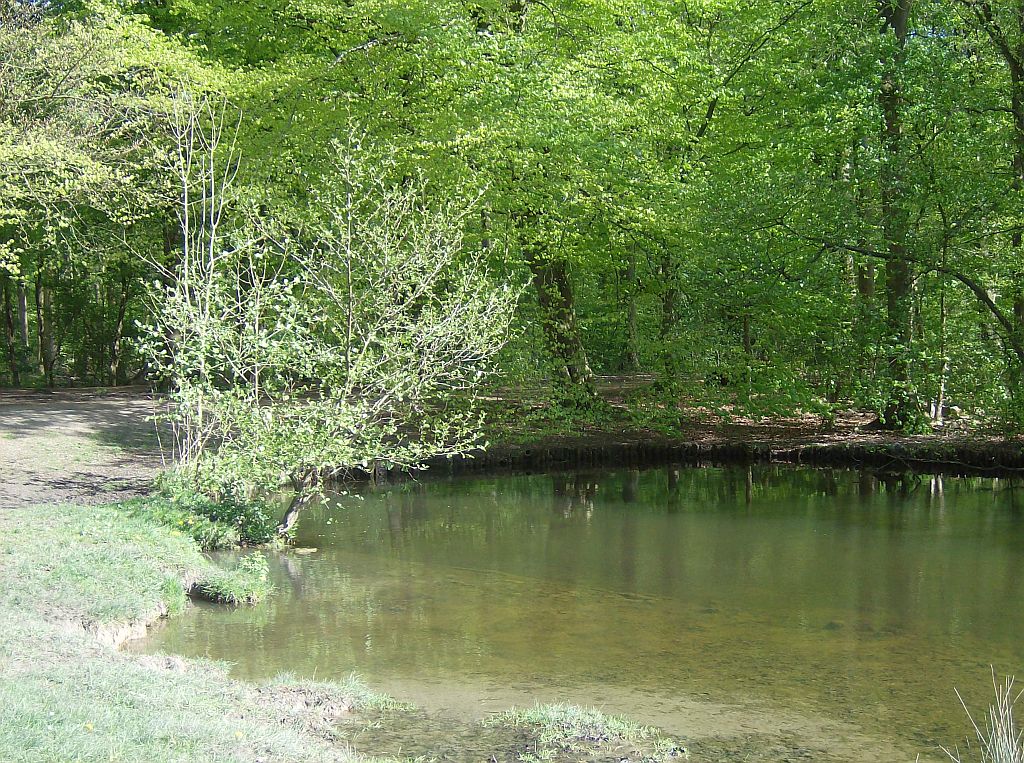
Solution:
(247, 583)
(92, 565)
(65, 696)
(560, 730)
(65, 700)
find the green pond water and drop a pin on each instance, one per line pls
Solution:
(757, 614)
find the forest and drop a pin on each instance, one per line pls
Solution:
(696, 313)
(780, 206)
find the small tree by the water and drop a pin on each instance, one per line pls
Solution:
(355, 339)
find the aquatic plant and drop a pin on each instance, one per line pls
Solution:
(1000, 740)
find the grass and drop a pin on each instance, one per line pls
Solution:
(248, 583)
(560, 730)
(71, 573)
(210, 535)
(1000, 740)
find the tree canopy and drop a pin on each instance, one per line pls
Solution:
(779, 206)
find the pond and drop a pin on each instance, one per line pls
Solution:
(761, 613)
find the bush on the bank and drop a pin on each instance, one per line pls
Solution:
(214, 525)
(247, 522)
(236, 515)
(359, 338)
(208, 534)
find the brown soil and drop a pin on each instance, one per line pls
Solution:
(852, 440)
(76, 446)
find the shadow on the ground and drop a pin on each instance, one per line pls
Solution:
(91, 487)
(120, 419)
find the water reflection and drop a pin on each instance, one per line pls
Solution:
(851, 597)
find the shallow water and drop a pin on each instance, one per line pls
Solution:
(759, 614)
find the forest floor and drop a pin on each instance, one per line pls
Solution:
(76, 446)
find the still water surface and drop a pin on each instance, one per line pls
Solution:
(762, 613)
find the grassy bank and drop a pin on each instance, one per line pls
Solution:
(80, 580)
(569, 732)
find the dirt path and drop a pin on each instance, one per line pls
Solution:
(75, 446)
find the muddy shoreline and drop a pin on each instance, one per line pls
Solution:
(936, 456)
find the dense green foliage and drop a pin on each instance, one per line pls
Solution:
(785, 205)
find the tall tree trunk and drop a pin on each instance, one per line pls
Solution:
(899, 277)
(938, 414)
(116, 346)
(12, 350)
(39, 321)
(46, 345)
(23, 314)
(669, 296)
(1014, 56)
(1010, 45)
(632, 331)
(555, 296)
(866, 283)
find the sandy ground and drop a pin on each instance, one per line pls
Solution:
(76, 446)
